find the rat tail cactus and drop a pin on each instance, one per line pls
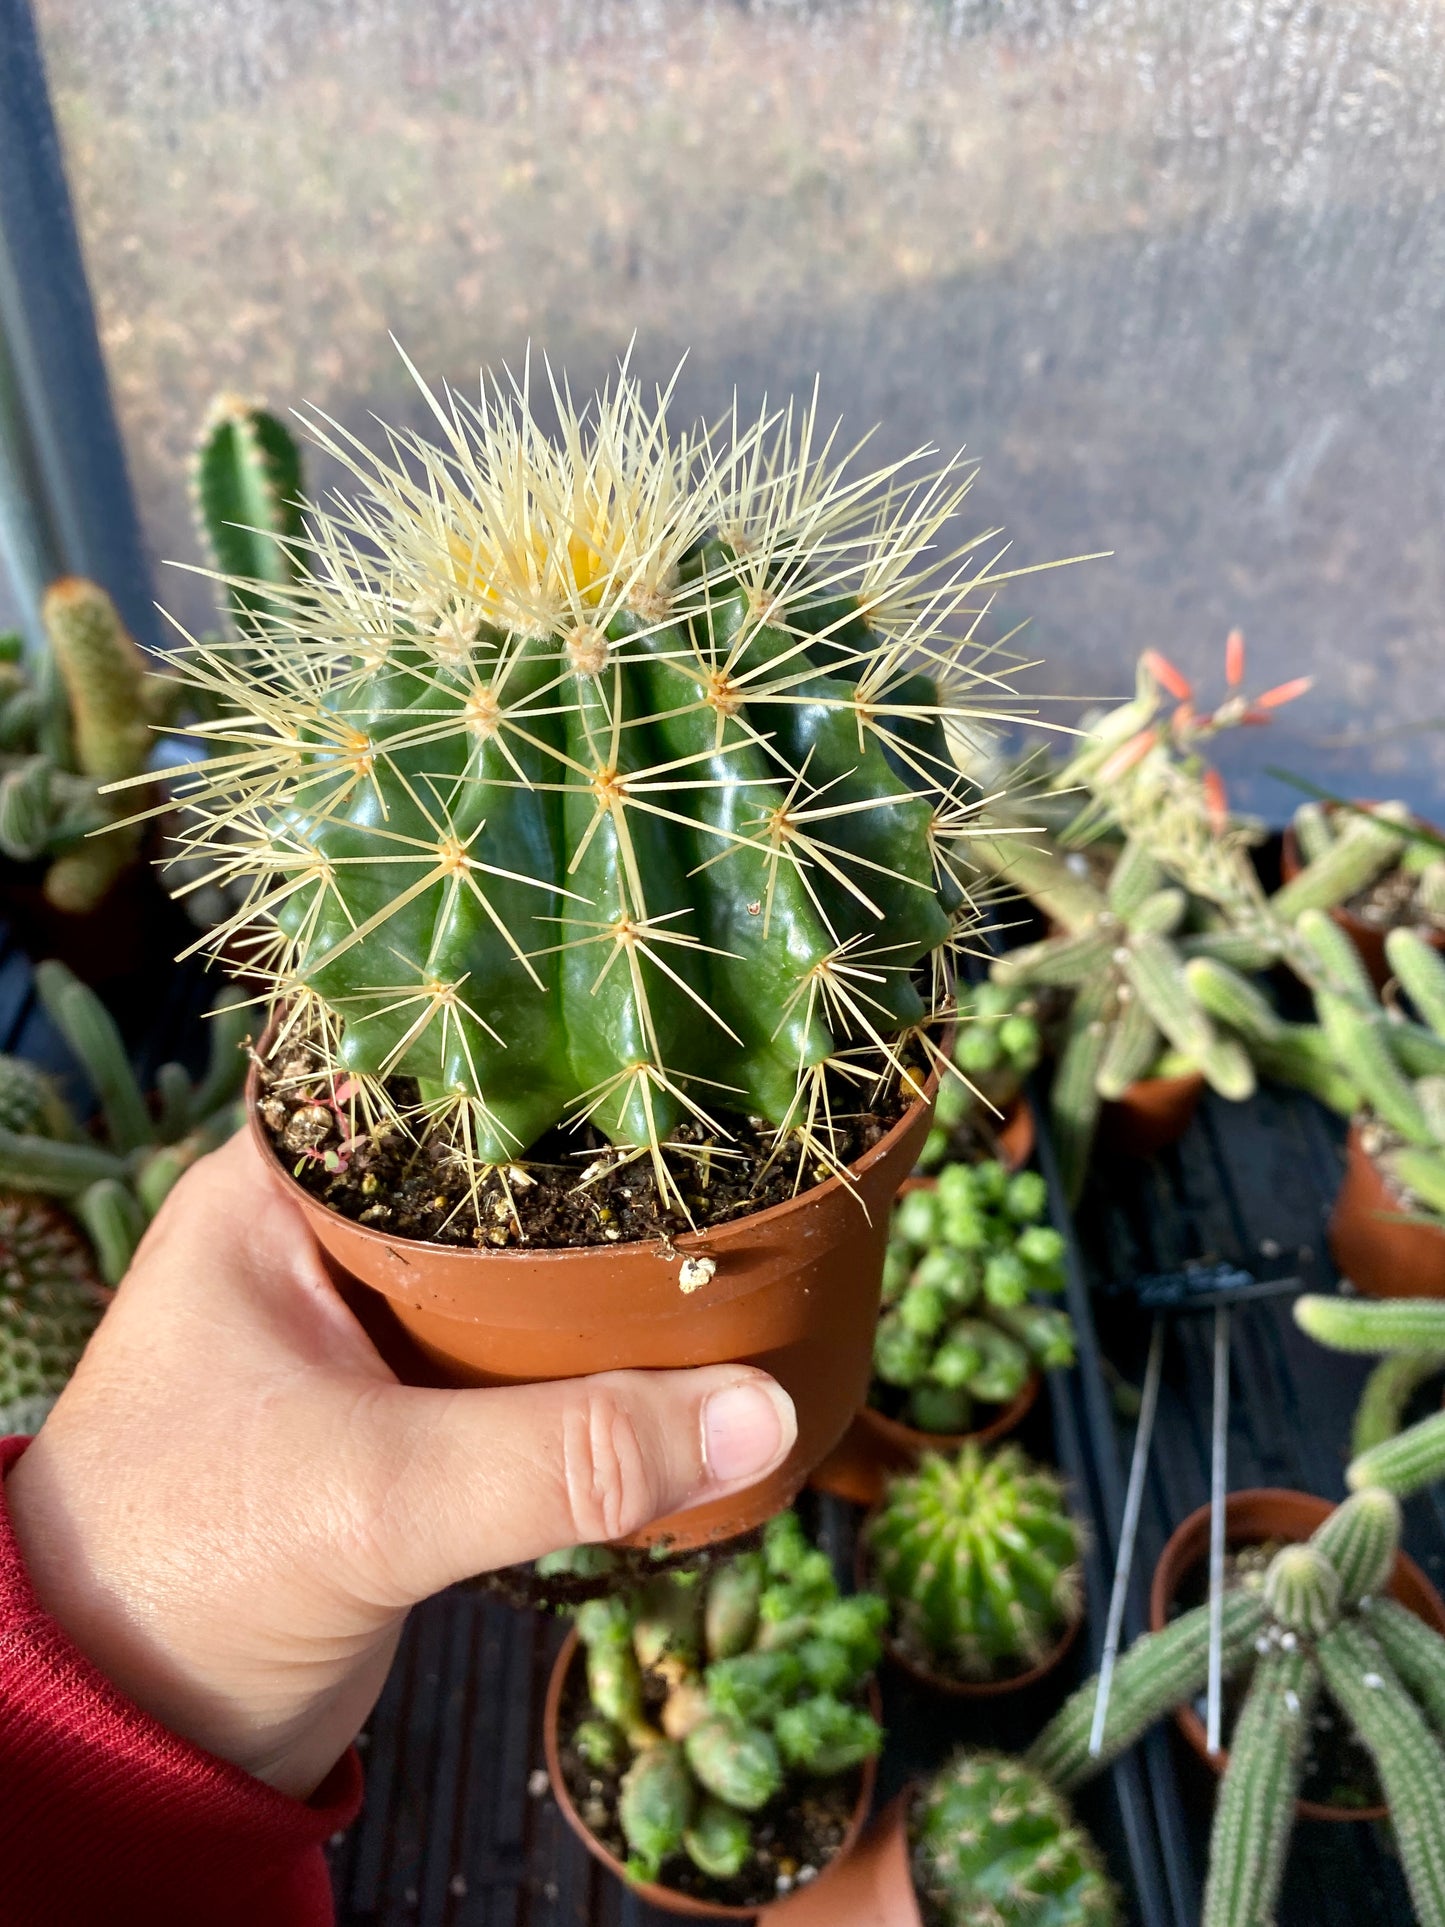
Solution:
(979, 1559)
(995, 1846)
(603, 779)
(50, 1303)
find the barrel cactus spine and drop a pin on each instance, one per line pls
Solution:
(617, 790)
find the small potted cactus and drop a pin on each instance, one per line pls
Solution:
(1326, 1627)
(984, 1113)
(987, 1842)
(978, 1557)
(710, 1736)
(1374, 868)
(599, 832)
(51, 1300)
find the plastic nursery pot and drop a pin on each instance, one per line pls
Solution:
(1374, 1242)
(870, 1887)
(1015, 1134)
(1153, 1113)
(1257, 1518)
(667, 1899)
(1368, 938)
(795, 1292)
(946, 1683)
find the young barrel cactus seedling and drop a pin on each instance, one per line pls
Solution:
(50, 1303)
(602, 779)
(979, 1560)
(961, 1325)
(711, 1697)
(116, 1183)
(1315, 1624)
(995, 1846)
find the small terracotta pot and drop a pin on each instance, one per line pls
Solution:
(1367, 938)
(795, 1292)
(1256, 1518)
(946, 1683)
(1015, 1136)
(1373, 1240)
(667, 1898)
(872, 1887)
(1153, 1113)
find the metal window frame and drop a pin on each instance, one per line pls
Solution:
(66, 506)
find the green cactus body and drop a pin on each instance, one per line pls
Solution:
(105, 678)
(824, 1735)
(1233, 1000)
(246, 487)
(593, 822)
(1415, 1651)
(944, 1410)
(601, 1745)
(979, 1558)
(1406, 1753)
(1359, 1542)
(1388, 1390)
(655, 1807)
(1373, 1324)
(50, 1303)
(1159, 1672)
(1135, 878)
(1301, 1056)
(1421, 970)
(1361, 1043)
(1422, 1172)
(1156, 971)
(1254, 1815)
(1313, 830)
(1134, 1044)
(28, 1104)
(1364, 849)
(1331, 954)
(90, 1030)
(666, 1629)
(996, 1845)
(738, 1763)
(730, 1607)
(1066, 960)
(719, 1841)
(1302, 1591)
(1403, 1464)
(1074, 1099)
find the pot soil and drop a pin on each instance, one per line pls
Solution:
(1374, 1240)
(817, 1826)
(1269, 1516)
(1368, 919)
(792, 1289)
(870, 1887)
(1152, 1114)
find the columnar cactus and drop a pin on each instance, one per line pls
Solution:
(995, 1846)
(1411, 1334)
(966, 1260)
(599, 779)
(978, 1557)
(760, 1662)
(1316, 1622)
(1346, 851)
(50, 1302)
(115, 1185)
(246, 489)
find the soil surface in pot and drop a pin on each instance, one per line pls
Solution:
(1377, 1140)
(1392, 902)
(575, 1188)
(801, 1829)
(630, 1566)
(1338, 1772)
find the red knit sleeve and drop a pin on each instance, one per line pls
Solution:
(107, 1817)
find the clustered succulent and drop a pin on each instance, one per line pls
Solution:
(50, 1302)
(997, 1044)
(978, 1557)
(1316, 1621)
(960, 1326)
(117, 1182)
(708, 1695)
(602, 779)
(995, 1846)
(1346, 852)
(1410, 1332)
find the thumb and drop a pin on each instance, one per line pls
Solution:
(489, 1478)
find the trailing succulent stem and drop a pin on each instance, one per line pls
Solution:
(603, 779)
(1411, 1334)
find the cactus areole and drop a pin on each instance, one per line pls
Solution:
(603, 780)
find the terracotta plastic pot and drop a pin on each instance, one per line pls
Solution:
(795, 1291)
(1367, 938)
(1373, 1240)
(667, 1898)
(1256, 1518)
(872, 1887)
(1151, 1114)
(946, 1683)
(1014, 1137)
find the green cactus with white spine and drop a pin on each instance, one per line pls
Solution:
(1254, 1814)
(1410, 1332)
(759, 1664)
(246, 489)
(624, 799)
(978, 1556)
(1360, 849)
(116, 1183)
(50, 1302)
(995, 1846)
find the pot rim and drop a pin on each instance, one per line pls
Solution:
(1179, 1558)
(907, 1438)
(686, 1242)
(653, 1892)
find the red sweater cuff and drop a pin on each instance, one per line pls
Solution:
(107, 1816)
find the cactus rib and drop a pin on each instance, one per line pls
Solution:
(1255, 1811)
(1403, 1464)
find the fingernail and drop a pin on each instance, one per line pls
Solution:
(746, 1429)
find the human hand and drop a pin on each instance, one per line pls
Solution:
(234, 1503)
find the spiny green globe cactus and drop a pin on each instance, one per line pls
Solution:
(759, 1665)
(995, 1846)
(50, 1303)
(603, 778)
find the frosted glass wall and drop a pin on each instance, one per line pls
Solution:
(1174, 273)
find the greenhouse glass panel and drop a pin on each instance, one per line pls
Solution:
(1174, 275)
